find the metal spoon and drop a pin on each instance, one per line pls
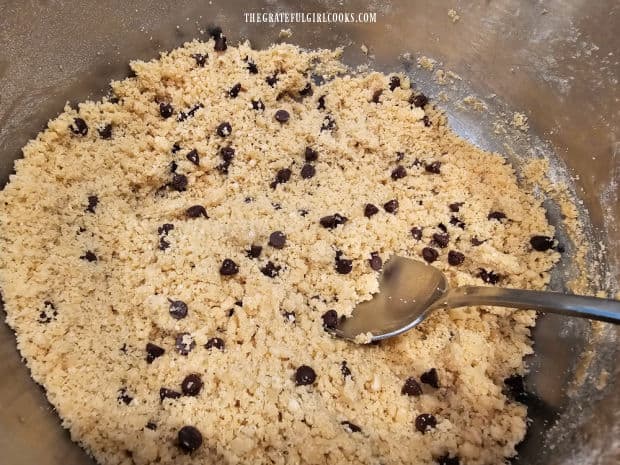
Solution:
(410, 290)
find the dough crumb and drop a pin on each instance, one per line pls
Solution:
(454, 16)
(519, 121)
(426, 63)
(475, 103)
(364, 338)
(285, 33)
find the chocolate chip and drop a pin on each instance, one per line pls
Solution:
(152, 352)
(190, 113)
(303, 212)
(191, 385)
(270, 269)
(175, 147)
(152, 426)
(252, 68)
(454, 221)
(399, 172)
(215, 343)
(441, 240)
(376, 95)
(321, 103)
(429, 254)
(189, 438)
(476, 242)
(541, 243)
(200, 58)
(332, 221)
(165, 393)
(193, 156)
(178, 309)
(105, 132)
(431, 378)
(455, 258)
(351, 427)
(277, 239)
(220, 44)
(179, 182)
(276, 206)
(304, 376)
(282, 176)
(394, 83)
(165, 228)
(254, 251)
(89, 256)
(391, 206)
(411, 388)
(196, 211)
(419, 100)
(416, 233)
(258, 105)
(229, 268)
(93, 201)
(165, 110)
(124, 397)
(227, 154)
(224, 129)
(488, 276)
(456, 206)
(425, 422)
(173, 166)
(434, 167)
(329, 123)
(79, 127)
(427, 121)
(375, 261)
(330, 319)
(344, 369)
(499, 216)
(184, 343)
(234, 90)
(370, 210)
(311, 154)
(447, 460)
(307, 171)
(163, 244)
(306, 91)
(344, 266)
(515, 387)
(272, 80)
(282, 116)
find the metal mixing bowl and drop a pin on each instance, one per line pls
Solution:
(556, 61)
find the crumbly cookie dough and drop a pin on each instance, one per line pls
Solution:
(173, 255)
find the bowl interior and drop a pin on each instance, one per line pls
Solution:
(554, 62)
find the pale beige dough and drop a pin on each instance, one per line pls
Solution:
(250, 411)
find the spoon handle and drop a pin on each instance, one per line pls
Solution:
(593, 308)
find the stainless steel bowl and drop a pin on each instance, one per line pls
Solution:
(556, 61)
